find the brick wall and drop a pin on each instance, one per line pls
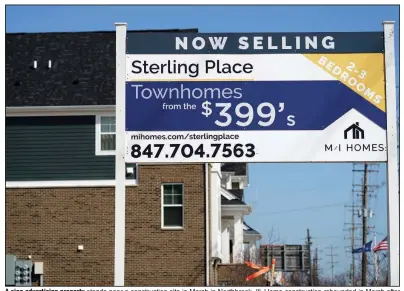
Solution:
(49, 224)
(235, 275)
(156, 257)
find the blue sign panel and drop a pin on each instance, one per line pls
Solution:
(261, 105)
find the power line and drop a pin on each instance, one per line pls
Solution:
(323, 237)
(319, 187)
(304, 209)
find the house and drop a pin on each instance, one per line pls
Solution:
(242, 238)
(60, 177)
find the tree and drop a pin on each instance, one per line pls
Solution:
(338, 281)
(297, 279)
(382, 279)
(273, 236)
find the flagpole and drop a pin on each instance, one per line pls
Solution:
(375, 260)
(377, 268)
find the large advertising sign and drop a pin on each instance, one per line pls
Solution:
(288, 258)
(231, 97)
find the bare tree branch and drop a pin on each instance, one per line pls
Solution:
(273, 236)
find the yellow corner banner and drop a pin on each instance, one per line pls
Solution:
(363, 73)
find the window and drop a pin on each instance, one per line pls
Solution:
(105, 135)
(235, 185)
(172, 206)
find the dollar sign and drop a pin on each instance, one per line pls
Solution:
(206, 108)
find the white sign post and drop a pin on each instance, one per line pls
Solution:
(120, 170)
(393, 197)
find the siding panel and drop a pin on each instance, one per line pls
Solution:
(54, 148)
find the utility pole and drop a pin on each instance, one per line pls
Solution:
(365, 193)
(315, 269)
(353, 245)
(365, 213)
(332, 262)
(311, 266)
(352, 238)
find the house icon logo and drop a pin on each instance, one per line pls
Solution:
(357, 132)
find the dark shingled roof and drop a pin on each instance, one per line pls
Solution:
(239, 193)
(250, 230)
(240, 169)
(226, 201)
(82, 73)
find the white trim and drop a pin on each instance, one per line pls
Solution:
(215, 168)
(162, 205)
(238, 236)
(59, 110)
(231, 177)
(252, 237)
(239, 179)
(227, 194)
(172, 228)
(173, 205)
(67, 184)
(228, 174)
(98, 151)
(213, 212)
(234, 210)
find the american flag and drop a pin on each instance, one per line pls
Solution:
(382, 246)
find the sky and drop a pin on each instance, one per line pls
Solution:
(286, 198)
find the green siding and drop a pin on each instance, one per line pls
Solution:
(54, 148)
